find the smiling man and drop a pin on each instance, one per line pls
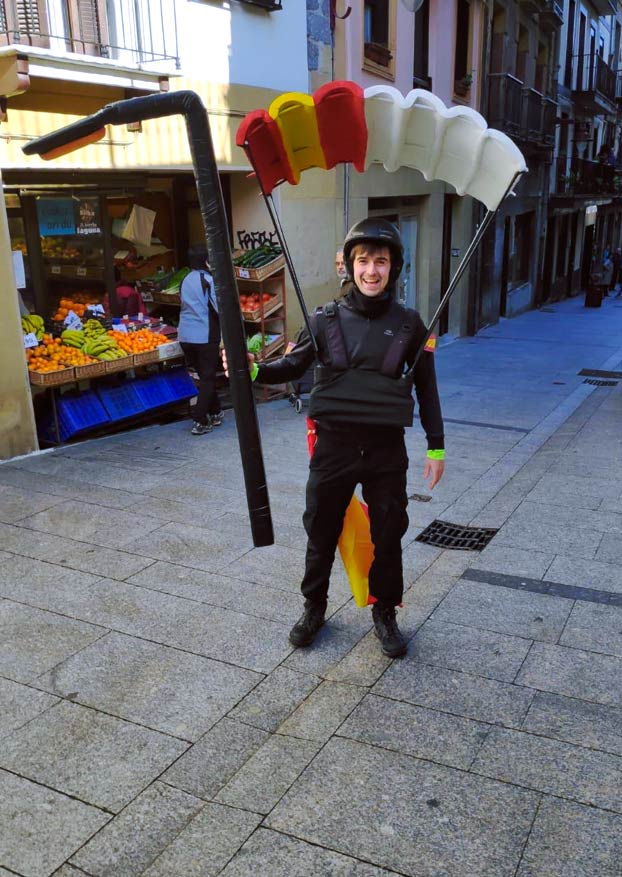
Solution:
(361, 402)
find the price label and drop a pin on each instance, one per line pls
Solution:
(30, 340)
(55, 269)
(120, 327)
(147, 296)
(96, 309)
(242, 272)
(80, 272)
(72, 321)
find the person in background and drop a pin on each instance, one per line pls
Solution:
(607, 273)
(129, 300)
(616, 258)
(340, 267)
(199, 336)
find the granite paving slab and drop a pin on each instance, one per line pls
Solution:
(267, 775)
(570, 840)
(137, 836)
(575, 721)
(272, 701)
(211, 762)
(556, 539)
(329, 647)
(586, 573)
(447, 822)
(17, 503)
(35, 482)
(542, 513)
(209, 549)
(550, 766)
(39, 828)
(363, 665)
(203, 514)
(518, 613)
(594, 627)
(85, 522)
(97, 758)
(459, 647)
(319, 716)
(19, 704)
(610, 549)
(153, 685)
(462, 694)
(268, 852)
(414, 730)
(573, 491)
(573, 672)
(514, 561)
(206, 844)
(32, 640)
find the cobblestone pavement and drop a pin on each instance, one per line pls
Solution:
(155, 721)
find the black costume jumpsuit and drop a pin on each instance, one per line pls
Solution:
(349, 452)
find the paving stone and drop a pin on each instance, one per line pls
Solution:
(263, 600)
(586, 573)
(212, 550)
(162, 688)
(19, 704)
(205, 846)
(576, 721)
(466, 648)
(269, 704)
(32, 641)
(518, 613)
(462, 694)
(39, 828)
(574, 673)
(268, 774)
(570, 840)
(323, 711)
(555, 539)
(89, 523)
(97, 758)
(416, 731)
(268, 852)
(16, 503)
(550, 766)
(58, 486)
(211, 762)
(203, 514)
(364, 665)
(447, 821)
(594, 627)
(137, 836)
(573, 490)
(329, 647)
(610, 549)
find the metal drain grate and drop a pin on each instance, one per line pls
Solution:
(445, 535)
(596, 383)
(599, 373)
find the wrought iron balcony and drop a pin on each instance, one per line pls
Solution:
(594, 83)
(531, 116)
(588, 178)
(549, 117)
(505, 97)
(551, 15)
(132, 32)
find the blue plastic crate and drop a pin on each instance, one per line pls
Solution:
(180, 383)
(121, 401)
(153, 391)
(78, 412)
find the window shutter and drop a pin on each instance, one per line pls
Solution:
(24, 21)
(89, 27)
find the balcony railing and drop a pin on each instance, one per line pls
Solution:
(587, 177)
(505, 102)
(134, 32)
(549, 116)
(552, 15)
(531, 116)
(593, 75)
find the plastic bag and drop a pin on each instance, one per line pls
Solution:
(357, 550)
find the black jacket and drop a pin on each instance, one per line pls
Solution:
(367, 338)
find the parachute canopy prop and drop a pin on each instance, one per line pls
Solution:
(188, 104)
(342, 123)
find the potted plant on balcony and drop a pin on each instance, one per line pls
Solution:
(462, 86)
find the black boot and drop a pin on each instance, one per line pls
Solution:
(386, 629)
(308, 625)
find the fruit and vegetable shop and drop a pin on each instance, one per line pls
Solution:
(98, 268)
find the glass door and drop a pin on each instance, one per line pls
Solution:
(407, 285)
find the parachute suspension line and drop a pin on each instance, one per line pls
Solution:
(479, 234)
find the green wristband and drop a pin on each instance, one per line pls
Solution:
(436, 455)
(254, 371)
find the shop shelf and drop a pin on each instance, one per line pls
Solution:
(259, 273)
(154, 391)
(121, 401)
(180, 383)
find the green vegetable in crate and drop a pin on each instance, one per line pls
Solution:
(174, 284)
(257, 257)
(257, 342)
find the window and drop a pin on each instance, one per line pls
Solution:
(377, 35)
(463, 74)
(520, 249)
(421, 76)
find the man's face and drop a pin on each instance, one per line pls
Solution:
(371, 267)
(340, 266)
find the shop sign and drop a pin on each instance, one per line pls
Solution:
(30, 340)
(56, 216)
(87, 216)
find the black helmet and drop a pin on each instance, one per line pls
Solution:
(377, 231)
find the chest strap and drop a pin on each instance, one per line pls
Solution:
(395, 357)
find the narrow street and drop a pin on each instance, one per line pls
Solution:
(154, 719)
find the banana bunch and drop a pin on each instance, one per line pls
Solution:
(103, 347)
(93, 329)
(33, 323)
(73, 338)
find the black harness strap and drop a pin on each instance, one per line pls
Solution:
(334, 337)
(395, 357)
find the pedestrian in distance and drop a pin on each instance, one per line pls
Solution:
(616, 258)
(607, 274)
(340, 267)
(199, 336)
(361, 402)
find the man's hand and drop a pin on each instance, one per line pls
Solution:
(433, 470)
(223, 354)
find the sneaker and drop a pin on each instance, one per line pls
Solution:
(216, 419)
(392, 642)
(308, 625)
(200, 428)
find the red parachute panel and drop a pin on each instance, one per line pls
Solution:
(260, 137)
(340, 111)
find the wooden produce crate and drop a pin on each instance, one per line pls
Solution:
(91, 370)
(119, 365)
(265, 307)
(147, 357)
(271, 349)
(53, 379)
(167, 298)
(258, 273)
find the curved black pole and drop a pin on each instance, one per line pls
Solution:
(189, 104)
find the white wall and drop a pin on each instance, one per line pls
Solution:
(269, 48)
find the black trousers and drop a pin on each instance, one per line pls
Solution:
(204, 359)
(338, 464)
